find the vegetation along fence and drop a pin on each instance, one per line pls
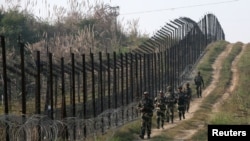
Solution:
(48, 98)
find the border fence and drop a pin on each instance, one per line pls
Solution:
(77, 97)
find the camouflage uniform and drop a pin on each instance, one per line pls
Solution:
(146, 107)
(198, 80)
(160, 105)
(170, 104)
(181, 103)
(188, 93)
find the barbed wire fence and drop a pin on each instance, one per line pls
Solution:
(84, 96)
(41, 127)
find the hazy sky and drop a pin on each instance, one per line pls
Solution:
(233, 15)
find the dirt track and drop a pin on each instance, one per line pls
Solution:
(196, 102)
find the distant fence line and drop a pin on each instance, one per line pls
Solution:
(74, 91)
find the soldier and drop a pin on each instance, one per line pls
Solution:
(146, 107)
(170, 104)
(181, 103)
(160, 105)
(198, 80)
(188, 93)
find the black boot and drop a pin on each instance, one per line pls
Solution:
(141, 136)
(148, 136)
(167, 120)
(142, 133)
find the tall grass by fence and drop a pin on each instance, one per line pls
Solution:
(44, 97)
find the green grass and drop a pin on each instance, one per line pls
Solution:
(212, 52)
(237, 106)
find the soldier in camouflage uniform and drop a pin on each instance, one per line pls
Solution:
(198, 80)
(146, 107)
(160, 106)
(170, 104)
(188, 93)
(181, 103)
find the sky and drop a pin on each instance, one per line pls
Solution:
(233, 15)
